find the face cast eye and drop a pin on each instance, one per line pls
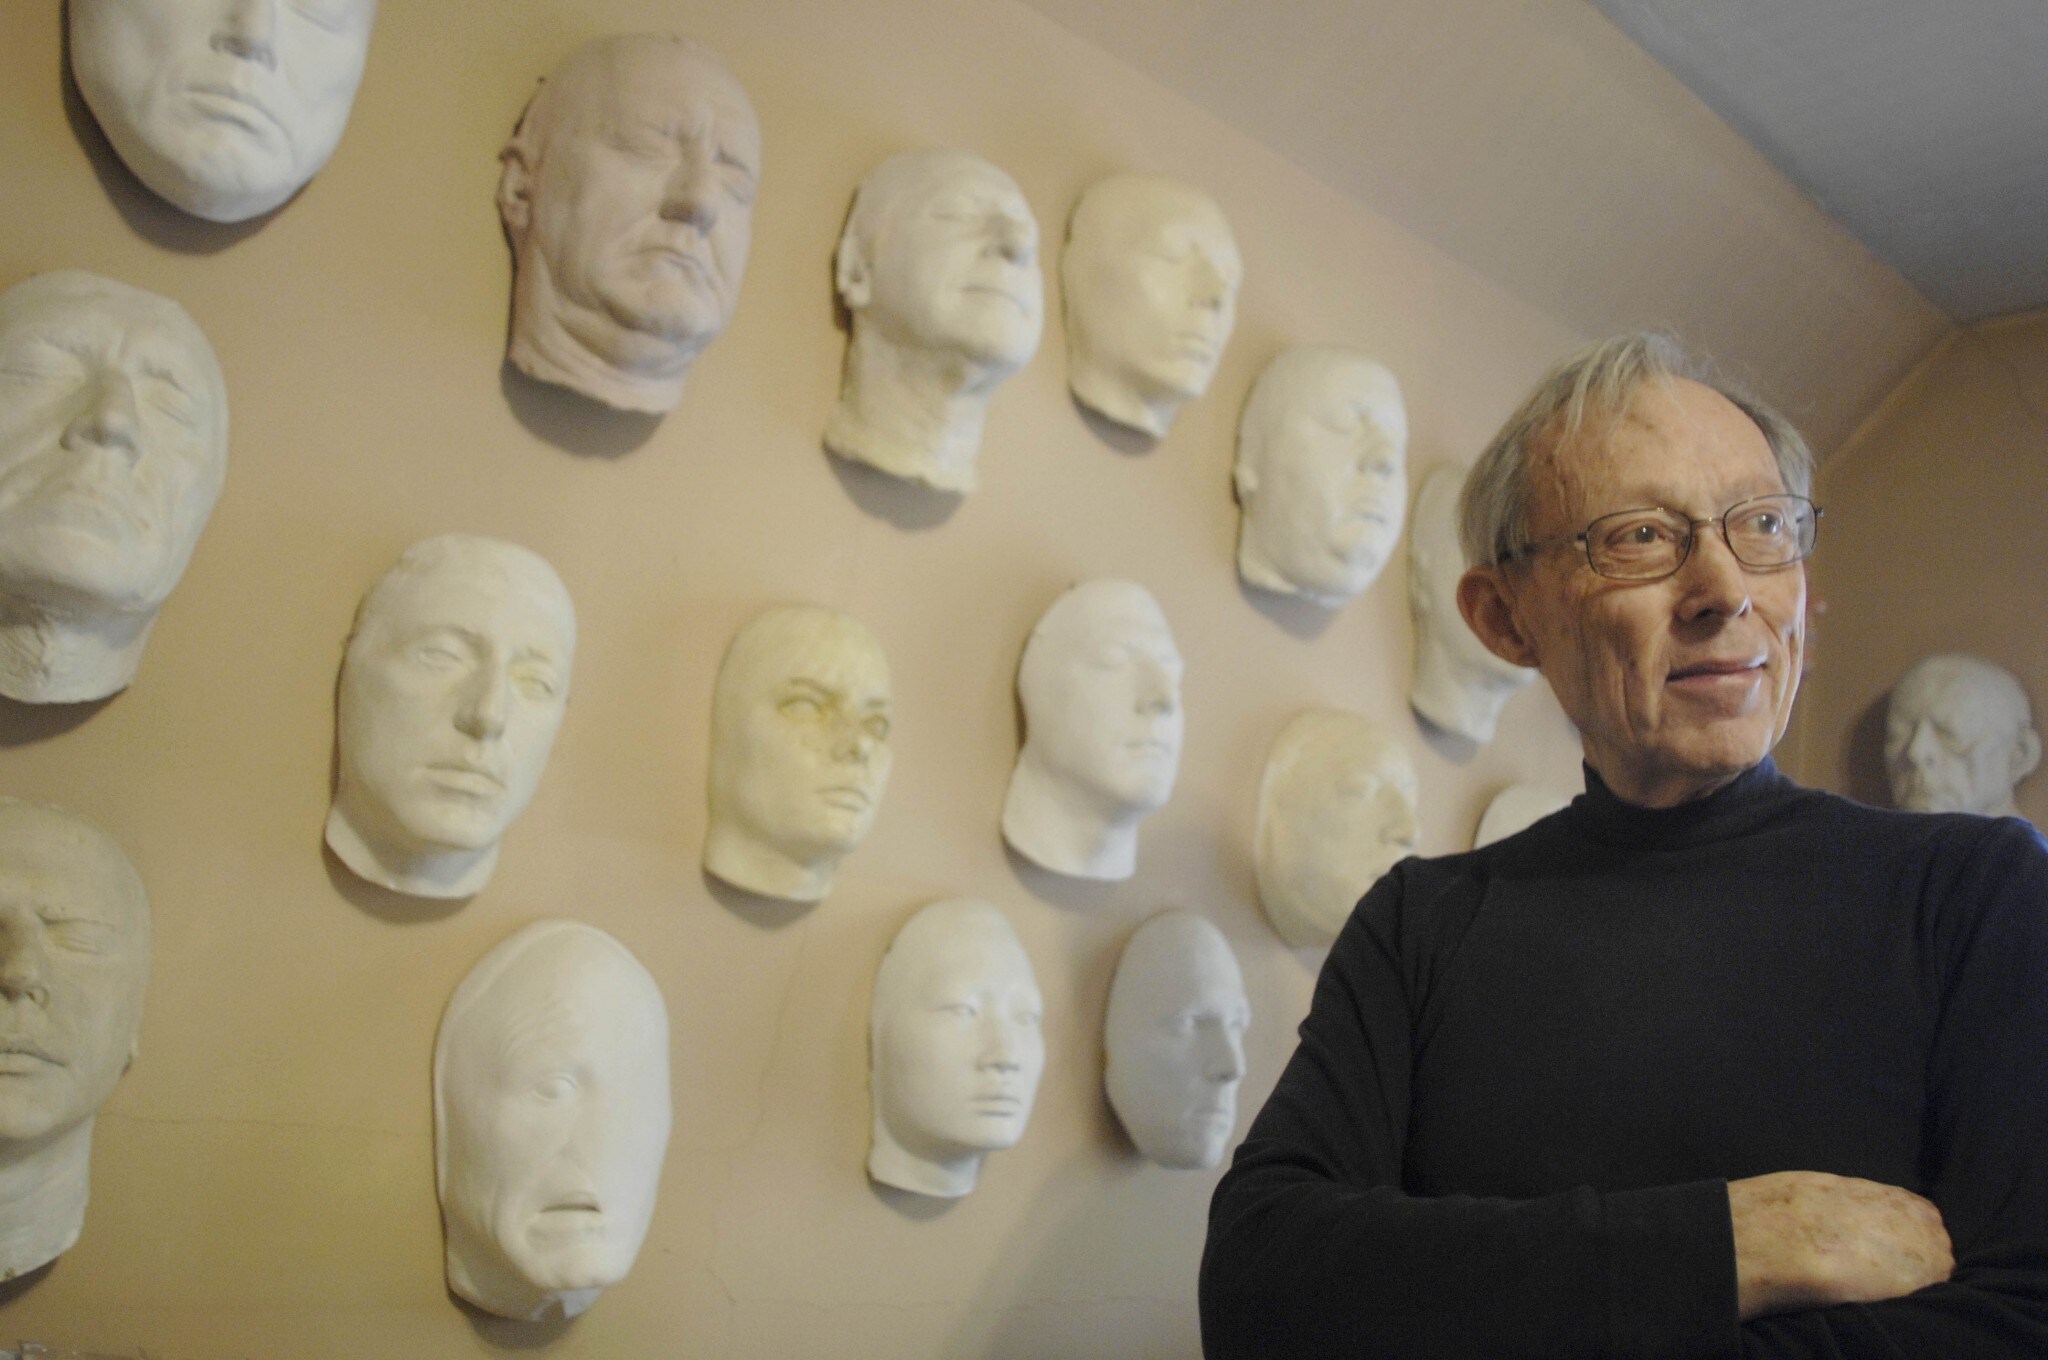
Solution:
(77, 935)
(878, 728)
(435, 655)
(801, 707)
(554, 1088)
(536, 683)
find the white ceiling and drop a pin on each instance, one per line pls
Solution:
(1920, 125)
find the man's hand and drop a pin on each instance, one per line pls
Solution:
(1806, 1239)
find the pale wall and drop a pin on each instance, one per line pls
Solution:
(1937, 513)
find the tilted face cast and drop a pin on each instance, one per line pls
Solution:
(955, 1047)
(452, 689)
(1321, 474)
(224, 107)
(1457, 684)
(1150, 277)
(1100, 686)
(1959, 734)
(1175, 1040)
(628, 194)
(800, 752)
(551, 1118)
(1337, 809)
(74, 957)
(938, 268)
(113, 447)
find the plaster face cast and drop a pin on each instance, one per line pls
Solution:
(452, 688)
(74, 955)
(1175, 1041)
(113, 446)
(1100, 687)
(800, 753)
(551, 1118)
(226, 108)
(1321, 474)
(1150, 277)
(1456, 684)
(628, 196)
(1516, 808)
(1959, 734)
(955, 1048)
(938, 268)
(1337, 809)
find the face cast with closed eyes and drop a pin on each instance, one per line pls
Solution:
(800, 751)
(1958, 736)
(1337, 809)
(452, 689)
(1150, 277)
(628, 194)
(1455, 683)
(1174, 1040)
(956, 1048)
(1321, 474)
(551, 1118)
(224, 107)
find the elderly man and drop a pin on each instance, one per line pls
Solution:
(1705, 1065)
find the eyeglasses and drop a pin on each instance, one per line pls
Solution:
(1652, 543)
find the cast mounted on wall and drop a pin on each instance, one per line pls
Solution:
(627, 194)
(1958, 736)
(1099, 684)
(226, 108)
(938, 269)
(1173, 1040)
(1456, 685)
(955, 1048)
(1515, 809)
(800, 756)
(551, 1118)
(74, 959)
(1337, 809)
(1150, 276)
(1321, 474)
(452, 688)
(113, 447)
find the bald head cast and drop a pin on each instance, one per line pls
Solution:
(1959, 735)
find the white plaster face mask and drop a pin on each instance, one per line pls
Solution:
(1959, 734)
(452, 689)
(113, 447)
(1514, 809)
(1100, 686)
(1457, 685)
(628, 196)
(1150, 277)
(74, 957)
(226, 108)
(800, 754)
(1174, 1040)
(1321, 474)
(956, 1048)
(1337, 809)
(551, 1118)
(938, 268)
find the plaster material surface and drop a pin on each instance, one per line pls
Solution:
(1173, 1041)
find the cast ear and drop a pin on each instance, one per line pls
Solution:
(1489, 611)
(851, 275)
(515, 191)
(1245, 480)
(2026, 755)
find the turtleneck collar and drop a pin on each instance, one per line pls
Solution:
(1745, 803)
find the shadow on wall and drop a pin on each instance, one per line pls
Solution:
(1863, 773)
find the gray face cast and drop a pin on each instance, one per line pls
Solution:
(1959, 734)
(1456, 684)
(113, 447)
(1174, 1040)
(224, 107)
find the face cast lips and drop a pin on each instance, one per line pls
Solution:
(225, 103)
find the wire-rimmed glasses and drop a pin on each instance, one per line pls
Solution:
(1651, 543)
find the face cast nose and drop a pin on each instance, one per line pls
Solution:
(1207, 283)
(22, 960)
(248, 29)
(1012, 241)
(110, 418)
(1222, 1052)
(999, 1047)
(1158, 695)
(1925, 750)
(690, 194)
(482, 711)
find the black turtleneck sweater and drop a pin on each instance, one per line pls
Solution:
(1529, 1072)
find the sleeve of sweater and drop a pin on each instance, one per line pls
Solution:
(1985, 934)
(1314, 1249)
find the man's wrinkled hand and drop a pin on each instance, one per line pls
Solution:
(1807, 1239)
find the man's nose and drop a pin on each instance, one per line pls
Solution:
(691, 192)
(110, 418)
(248, 29)
(1714, 582)
(481, 713)
(22, 961)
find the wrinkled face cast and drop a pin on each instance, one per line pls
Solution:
(1337, 809)
(1958, 736)
(1150, 275)
(74, 955)
(224, 107)
(452, 689)
(551, 1104)
(1322, 470)
(942, 254)
(1175, 1040)
(957, 1044)
(113, 444)
(800, 732)
(1100, 684)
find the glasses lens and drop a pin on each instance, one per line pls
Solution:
(1637, 545)
(1771, 531)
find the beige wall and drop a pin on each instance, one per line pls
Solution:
(1937, 515)
(263, 1180)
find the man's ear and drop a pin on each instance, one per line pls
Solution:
(515, 191)
(851, 275)
(1488, 606)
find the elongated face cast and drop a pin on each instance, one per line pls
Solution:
(1175, 1040)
